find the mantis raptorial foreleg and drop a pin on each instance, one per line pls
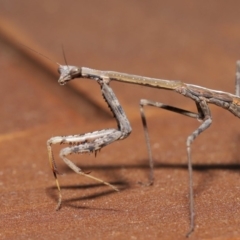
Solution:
(91, 142)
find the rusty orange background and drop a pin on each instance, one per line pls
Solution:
(196, 42)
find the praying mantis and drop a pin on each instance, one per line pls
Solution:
(94, 141)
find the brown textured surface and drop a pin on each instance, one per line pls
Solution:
(196, 42)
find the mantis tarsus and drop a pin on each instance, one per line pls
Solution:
(92, 142)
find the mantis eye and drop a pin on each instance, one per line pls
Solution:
(74, 70)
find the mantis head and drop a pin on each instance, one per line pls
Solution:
(68, 73)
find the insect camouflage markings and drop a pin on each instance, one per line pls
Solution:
(94, 141)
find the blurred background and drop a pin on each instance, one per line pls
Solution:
(196, 42)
